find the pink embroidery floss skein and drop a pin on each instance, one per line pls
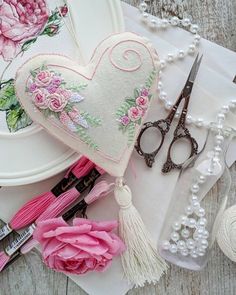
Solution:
(100, 190)
(30, 211)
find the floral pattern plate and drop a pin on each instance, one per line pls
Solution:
(29, 154)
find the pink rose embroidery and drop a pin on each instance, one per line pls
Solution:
(85, 246)
(142, 102)
(125, 120)
(64, 92)
(20, 21)
(134, 113)
(43, 78)
(57, 102)
(40, 99)
(144, 92)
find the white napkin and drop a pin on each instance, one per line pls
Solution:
(151, 190)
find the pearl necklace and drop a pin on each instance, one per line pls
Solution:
(180, 55)
(190, 236)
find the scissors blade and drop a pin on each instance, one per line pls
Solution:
(192, 76)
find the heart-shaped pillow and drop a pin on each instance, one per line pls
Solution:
(97, 109)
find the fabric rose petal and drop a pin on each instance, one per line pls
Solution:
(85, 246)
(20, 21)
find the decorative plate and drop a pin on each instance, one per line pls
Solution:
(28, 153)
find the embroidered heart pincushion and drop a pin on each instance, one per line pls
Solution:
(97, 109)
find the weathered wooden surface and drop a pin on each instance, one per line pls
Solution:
(28, 276)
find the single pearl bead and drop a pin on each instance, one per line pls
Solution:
(190, 243)
(164, 23)
(202, 179)
(174, 236)
(219, 139)
(191, 222)
(145, 16)
(218, 149)
(153, 23)
(196, 236)
(232, 104)
(173, 248)
(162, 63)
(194, 28)
(185, 233)
(193, 253)
(142, 6)
(205, 234)
(181, 245)
(186, 22)
(189, 210)
(200, 212)
(189, 119)
(201, 252)
(176, 225)
(202, 222)
(170, 57)
(191, 49)
(203, 243)
(184, 252)
(183, 219)
(195, 205)
(177, 114)
(163, 96)
(166, 245)
(195, 188)
(181, 54)
(199, 122)
(200, 231)
(168, 105)
(193, 198)
(225, 109)
(221, 116)
(197, 39)
(174, 21)
(159, 85)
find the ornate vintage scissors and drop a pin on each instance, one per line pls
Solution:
(163, 126)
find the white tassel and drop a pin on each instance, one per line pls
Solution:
(141, 261)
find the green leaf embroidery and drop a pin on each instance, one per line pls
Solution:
(93, 121)
(131, 132)
(86, 138)
(77, 88)
(17, 119)
(7, 96)
(136, 93)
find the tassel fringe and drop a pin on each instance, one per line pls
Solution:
(141, 261)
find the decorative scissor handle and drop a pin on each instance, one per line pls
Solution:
(163, 126)
(180, 133)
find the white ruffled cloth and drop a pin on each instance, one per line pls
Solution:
(152, 190)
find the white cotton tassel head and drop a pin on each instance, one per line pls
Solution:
(141, 261)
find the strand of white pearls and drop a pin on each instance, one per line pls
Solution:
(161, 24)
(190, 236)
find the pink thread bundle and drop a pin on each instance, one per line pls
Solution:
(30, 211)
(55, 209)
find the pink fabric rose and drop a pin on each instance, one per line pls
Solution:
(134, 113)
(142, 102)
(85, 246)
(20, 21)
(65, 93)
(57, 102)
(43, 78)
(40, 99)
